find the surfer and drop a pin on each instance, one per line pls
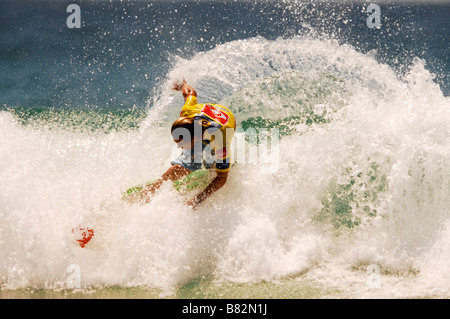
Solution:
(204, 133)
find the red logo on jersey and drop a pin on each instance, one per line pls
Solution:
(215, 114)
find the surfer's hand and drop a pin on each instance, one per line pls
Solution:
(185, 88)
(177, 86)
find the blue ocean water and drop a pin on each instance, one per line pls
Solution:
(124, 49)
(360, 182)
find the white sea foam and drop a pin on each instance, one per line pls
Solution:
(367, 185)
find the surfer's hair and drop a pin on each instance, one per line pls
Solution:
(186, 123)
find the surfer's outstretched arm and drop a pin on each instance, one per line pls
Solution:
(172, 174)
(185, 88)
(215, 185)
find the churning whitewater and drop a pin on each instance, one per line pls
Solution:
(361, 179)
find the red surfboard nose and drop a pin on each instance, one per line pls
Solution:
(83, 235)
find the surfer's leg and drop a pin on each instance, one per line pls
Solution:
(181, 166)
(175, 172)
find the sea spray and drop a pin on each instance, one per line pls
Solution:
(363, 179)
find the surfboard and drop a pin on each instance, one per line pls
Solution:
(186, 186)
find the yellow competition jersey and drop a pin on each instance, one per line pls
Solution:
(213, 116)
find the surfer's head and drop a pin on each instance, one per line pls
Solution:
(185, 131)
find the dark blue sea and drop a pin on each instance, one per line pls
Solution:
(125, 49)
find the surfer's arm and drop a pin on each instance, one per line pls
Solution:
(215, 185)
(185, 89)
